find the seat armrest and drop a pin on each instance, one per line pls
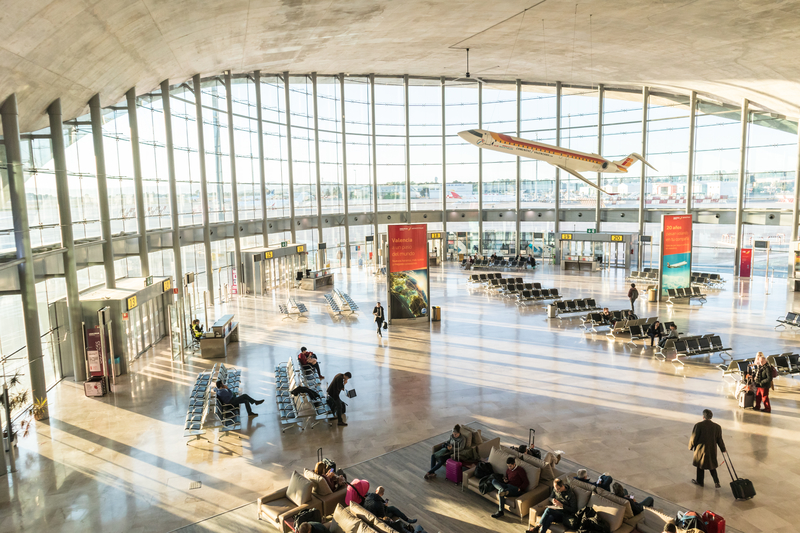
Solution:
(535, 512)
(467, 475)
(277, 495)
(288, 514)
(326, 504)
(529, 499)
(437, 447)
(485, 448)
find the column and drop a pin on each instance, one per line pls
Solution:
(173, 191)
(19, 212)
(237, 239)
(344, 176)
(96, 114)
(690, 170)
(795, 206)
(262, 174)
(444, 176)
(376, 243)
(68, 241)
(408, 150)
(138, 188)
(557, 225)
(740, 197)
(600, 93)
(519, 170)
(201, 151)
(289, 151)
(316, 160)
(645, 103)
(480, 174)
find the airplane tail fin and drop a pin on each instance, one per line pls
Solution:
(631, 159)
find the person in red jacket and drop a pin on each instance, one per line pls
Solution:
(514, 483)
(309, 359)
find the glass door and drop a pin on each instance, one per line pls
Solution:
(147, 324)
(135, 319)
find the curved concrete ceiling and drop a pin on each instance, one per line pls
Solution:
(75, 48)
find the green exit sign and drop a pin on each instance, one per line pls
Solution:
(283, 244)
(591, 230)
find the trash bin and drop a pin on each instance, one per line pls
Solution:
(651, 295)
(436, 313)
(551, 311)
(95, 386)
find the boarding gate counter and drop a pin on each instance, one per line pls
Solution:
(588, 252)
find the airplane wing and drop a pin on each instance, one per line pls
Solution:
(574, 173)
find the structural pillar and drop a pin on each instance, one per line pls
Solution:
(557, 225)
(320, 264)
(22, 239)
(740, 197)
(237, 237)
(600, 92)
(690, 169)
(96, 114)
(645, 103)
(795, 206)
(286, 98)
(443, 253)
(408, 151)
(344, 175)
(138, 188)
(376, 244)
(262, 174)
(518, 194)
(480, 174)
(201, 151)
(68, 241)
(173, 191)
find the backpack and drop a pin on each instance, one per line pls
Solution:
(329, 464)
(604, 482)
(482, 470)
(689, 520)
(307, 515)
(774, 372)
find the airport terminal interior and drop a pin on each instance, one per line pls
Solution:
(193, 191)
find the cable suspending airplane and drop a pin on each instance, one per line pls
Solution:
(570, 161)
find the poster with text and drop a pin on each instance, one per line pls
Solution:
(745, 262)
(407, 281)
(676, 252)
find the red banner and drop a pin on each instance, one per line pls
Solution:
(677, 234)
(408, 247)
(745, 262)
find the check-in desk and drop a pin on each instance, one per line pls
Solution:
(316, 280)
(214, 343)
(582, 263)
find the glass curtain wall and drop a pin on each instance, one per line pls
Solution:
(276, 149)
(301, 106)
(538, 124)
(579, 118)
(358, 122)
(461, 113)
(425, 132)
(771, 162)
(499, 169)
(390, 143)
(716, 155)
(245, 144)
(622, 135)
(153, 154)
(668, 125)
(217, 148)
(331, 156)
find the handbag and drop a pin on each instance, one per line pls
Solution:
(385, 325)
(351, 393)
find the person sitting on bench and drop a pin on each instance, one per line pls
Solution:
(563, 506)
(438, 459)
(608, 316)
(227, 397)
(514, 483)
(636, 507)
(312, 527)
(375, 504)
(672, 334)
(197, 329)
(583, 475)
(309, 359)
(655, 331)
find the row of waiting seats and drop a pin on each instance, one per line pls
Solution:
(293, 308)
(295, 406)
(637, 275)
(791, 320)
(527, 295)
(712, 281)
(594, 320)
(688, 293)
(522, 264)
(580, 305)
(709, 343)
(484, 278)
(787, 364)
(639, 326)
(205, 411)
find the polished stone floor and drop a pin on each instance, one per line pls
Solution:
(120, 463)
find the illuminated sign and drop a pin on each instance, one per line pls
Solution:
(166, 285)
(566, 236)
(616, 238)
(300, 249)
(436, 236)
(131, 302)
(267, 255)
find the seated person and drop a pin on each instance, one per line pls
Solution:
(563, 506)
(514, 483)
(197, 329)
(604, 481)
(312, 527)
(608, 316)
(438, 459)
(583, 475)
(227, 397)
(375, 504)
(309, 359)
(672, 334)
(636, 507)
(655, 331)
(335, 482)
(630, 315)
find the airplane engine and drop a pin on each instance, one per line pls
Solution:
(605, 165)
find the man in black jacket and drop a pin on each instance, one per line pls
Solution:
(380, 316)
(334, 390)
(563, 506)
(706, 437)
(375, 504)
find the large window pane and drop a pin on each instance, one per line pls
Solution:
(461, 113)
(425, 133)
(538, 124)
(771, 162)
(359, 145)
(499, 169)
(716, 162)
(390, 144)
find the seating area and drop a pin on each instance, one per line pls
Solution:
(205, 412)
(527, 295)
(787, 364)
(688, 294)
(293, 309)
(341, 303)
(592, 321)
(580, 305)
(791, 320)
(507, 264)
(648, 275)
(708, 344)
(625, 325)
(707, 279)
(294, 406)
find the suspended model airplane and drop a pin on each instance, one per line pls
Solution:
(570, 161)
(677, 265)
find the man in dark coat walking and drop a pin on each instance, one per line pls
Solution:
(706, 436)
(380, 316)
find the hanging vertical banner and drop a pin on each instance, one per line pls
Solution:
(745, 262)
(94, 351)
(676, 252)
(407, 274)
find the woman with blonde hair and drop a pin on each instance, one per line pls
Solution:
(335, 482)
(763, 381)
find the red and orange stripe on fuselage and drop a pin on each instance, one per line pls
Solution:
(554, 150)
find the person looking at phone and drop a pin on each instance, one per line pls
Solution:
(514, 483)
(563, 506)
(439, 458)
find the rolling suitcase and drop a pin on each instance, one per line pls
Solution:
(453, 470)
(742, 488)
(747, 400)
(532, 449)
(714, 523)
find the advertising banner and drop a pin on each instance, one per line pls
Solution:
(94, 351)
(676, 252)
(745, 262)
(407, 274)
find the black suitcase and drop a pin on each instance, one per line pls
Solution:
(742, 488)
